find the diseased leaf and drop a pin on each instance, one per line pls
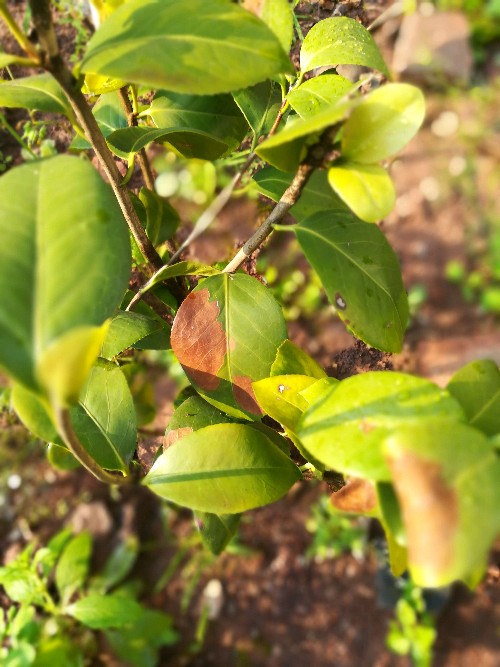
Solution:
(367, 189)
(217, 117)
(40, 92)
(216, 530)
(225, 335)
(73, 566)
(286, 149)
(168, 44)
(340, 41)
(127, 329)
(361, 276)
(292, 360)
(260, 105)
(358, 496)
(316, 196)
(105, 611)
(477, 388)
(319, 93)
(383, 123)
(222, 469)
(280, 397)
(346, 427)
(56, 213)
(442, 472)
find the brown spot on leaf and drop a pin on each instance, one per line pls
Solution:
(174, 435)
(430, 511)
(198, 339)
(244, 396)
(357, 496)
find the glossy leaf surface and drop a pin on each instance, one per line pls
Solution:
(216, 530)
(367, 189)
(361, 276)
(280, 398)
(40, 92)
(346, 428)
(477, 388)
(316, 196)
(260, 105)
(383, 123)
(442, 472)
(222, 469)
(64, 234)
(226, 334)
(292, 360)
(127, 329)
(318, 94)
(340, 41)
(167, 44)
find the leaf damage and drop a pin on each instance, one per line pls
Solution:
(357, 496)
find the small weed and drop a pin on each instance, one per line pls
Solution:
(333, 533)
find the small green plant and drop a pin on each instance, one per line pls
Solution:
(334, 533)
(413, 631)
(56, 608)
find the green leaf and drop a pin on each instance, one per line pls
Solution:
(443, 472)
(105, 611)
(346, 427)
(477, 388)
(118, 565)
(56, 213)
(278, 15)
(222, 469)
(280, 397)
(383, 123)
(216, 530)
(340, 41)
(40, 92)
(58, 652)
(193, 413)
(127, 329)
(33, 412)
(60, 458)
(316, 196)
(214, 116)
(105, 420)
(260, 104)
(367, 189)
(361, 276)
(109, 115)
(73, 566)
(287, 148)
(320, 388)
(391, 512)
(21, 584)
(319, 93)
(185, 268)
(292, 360)
(226, 334)
(170, 45)
(162, 219)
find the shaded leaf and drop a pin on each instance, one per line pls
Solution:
(225, 335)
(383, 123)
(216, 530)
(367, 189)
(162, 219)
(194, 413)
(346, 427)
(127, 329)
(477, 388)
(73, 566)
(222, 469)
(391, 512)
(319, 93)
(56, 213)
(185, 268)
(217, 117)
(443, 472)
(340, 41)
(33, 412)
(361, 276)
(292, 360)
(40, 92)
(168, 45)
(109, 115)
(61, 458)
(260, 105)
(105, 611)
(316, 196)
(118, 565)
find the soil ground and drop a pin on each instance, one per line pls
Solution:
(278, 607)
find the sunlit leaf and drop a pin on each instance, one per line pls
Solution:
(319, 93)
(40, 92)
(367, 189)
(477, 388)
(222, 469)
(292, 360)
(170, 45)
(361, 276)
(73, 566)
(280, 398)
(105, 611)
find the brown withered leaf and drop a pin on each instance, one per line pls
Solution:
(357, 496)
(244, 394)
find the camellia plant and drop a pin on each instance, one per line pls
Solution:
(91, 268)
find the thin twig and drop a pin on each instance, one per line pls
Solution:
(71, 440)
(314, 159)
(53, 63)
(18, 34)
(142, 158)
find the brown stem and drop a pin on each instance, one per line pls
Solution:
(142, 158)
(53, 63)
(314, 159)
(71, 440)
